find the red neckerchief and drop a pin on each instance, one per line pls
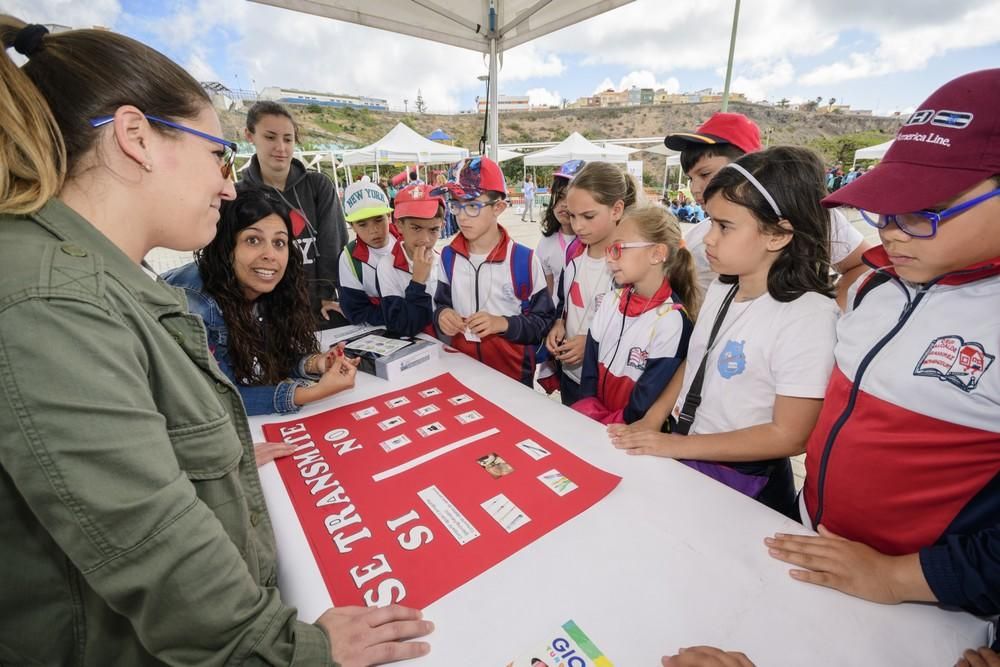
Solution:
(878, 259)
(498, 254)
(637, 304)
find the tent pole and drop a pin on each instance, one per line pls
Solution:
(732, 50)
(666, 168)
(336, 181)
(493, 132)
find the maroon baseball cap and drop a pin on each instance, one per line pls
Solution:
(416, 201)
(721, 128)
(948, 145)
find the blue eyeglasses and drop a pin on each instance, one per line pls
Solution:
(229, 148)
(923, 224)
(471, 209)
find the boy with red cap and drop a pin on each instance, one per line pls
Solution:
(407, 277)
(492, 301)
(722, 139)
(903, 467)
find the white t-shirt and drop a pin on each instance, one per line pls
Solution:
(590, 283)
(764, 348)
(844, 238)
(551, 250)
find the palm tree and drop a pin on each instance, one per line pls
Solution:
(832, 101)
(783, 102)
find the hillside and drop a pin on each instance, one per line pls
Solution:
(358, 127)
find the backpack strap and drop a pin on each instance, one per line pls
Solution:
(874, 279)
(448, 261)
(520, 274)
(353, 261)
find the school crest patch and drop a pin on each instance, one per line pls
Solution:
(637, 358)
(951, 359)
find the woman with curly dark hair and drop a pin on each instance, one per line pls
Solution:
(248, 285)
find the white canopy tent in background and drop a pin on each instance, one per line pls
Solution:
(503, 155)
(403, 145)
(872, 152)
(673, 160)
(485, 26)
(578, 147)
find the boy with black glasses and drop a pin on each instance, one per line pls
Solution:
(492, 301)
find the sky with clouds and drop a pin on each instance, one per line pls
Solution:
(872, 55)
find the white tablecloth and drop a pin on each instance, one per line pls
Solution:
(670, 558)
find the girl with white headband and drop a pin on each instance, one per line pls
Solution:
(761, 352)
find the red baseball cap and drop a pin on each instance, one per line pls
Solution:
(948, 145)
(721, 128)
(416, 201)
(472, 177)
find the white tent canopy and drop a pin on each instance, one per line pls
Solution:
(486, 26)
(872, 152)
(673, 157)
(504, 154)
(403, 145)
(578, 147)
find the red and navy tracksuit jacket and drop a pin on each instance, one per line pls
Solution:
(407, 306)
(509, 282)
(634, 346)
(905, 456)
(359, 296)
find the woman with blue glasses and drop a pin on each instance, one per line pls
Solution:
(132, 522)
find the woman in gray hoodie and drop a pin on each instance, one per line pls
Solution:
(318, 218)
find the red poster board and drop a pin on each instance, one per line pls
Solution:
(406, 496)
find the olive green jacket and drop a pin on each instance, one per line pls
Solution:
(133, 529)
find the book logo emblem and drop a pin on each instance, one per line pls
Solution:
(951, 359)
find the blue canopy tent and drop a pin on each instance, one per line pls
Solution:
(439, 135)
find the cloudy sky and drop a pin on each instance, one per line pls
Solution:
(885, 56)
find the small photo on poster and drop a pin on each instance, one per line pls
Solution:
(532, 449)
(460, 399)
(396, 402)
(495, 465)
(430, 391)
(364, 413)
(468, 417)
(431, 429)
(394, 443)
(507, 514)
(425, 410)
(557, 481)
(391, 422)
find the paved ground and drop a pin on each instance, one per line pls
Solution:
(526, 233)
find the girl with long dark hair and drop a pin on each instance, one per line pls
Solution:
(761, 352)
